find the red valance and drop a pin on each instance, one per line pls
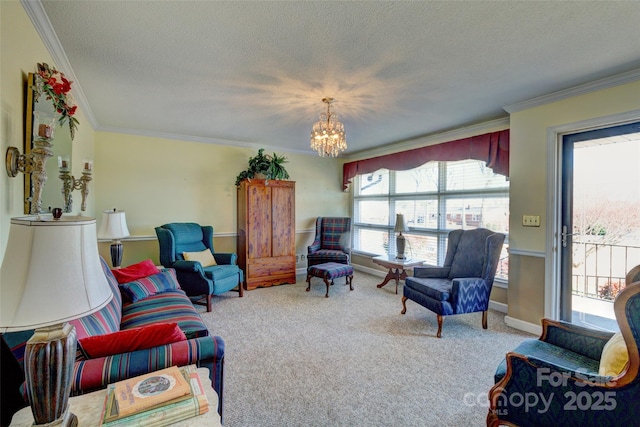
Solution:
(493, 148)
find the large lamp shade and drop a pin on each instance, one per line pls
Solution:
(51, 273)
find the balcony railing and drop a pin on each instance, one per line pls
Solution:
(601, 275)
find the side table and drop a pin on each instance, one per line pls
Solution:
(88, 408)
(396, 267)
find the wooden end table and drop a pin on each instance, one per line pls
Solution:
(396, 267)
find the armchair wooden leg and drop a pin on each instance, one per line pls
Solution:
(240, 289)
(440, 320)
(404, 305)
(208, 303)
(484, 319)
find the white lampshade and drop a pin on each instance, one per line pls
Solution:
(51, 273)
(400, 224)
(113, 226)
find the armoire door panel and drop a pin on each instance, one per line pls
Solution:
(284, 239)
(259, 222)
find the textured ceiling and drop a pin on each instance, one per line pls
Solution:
(254, 73)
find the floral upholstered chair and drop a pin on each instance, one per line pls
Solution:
(332, 242)
(463, 284)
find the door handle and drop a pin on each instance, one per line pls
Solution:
(565, 235)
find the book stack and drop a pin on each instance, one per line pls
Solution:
(155, 399)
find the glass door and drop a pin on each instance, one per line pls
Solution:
(600, 221)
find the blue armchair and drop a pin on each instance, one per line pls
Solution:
(197, 281)
(332, 242)
(463, 284)
(560, 379)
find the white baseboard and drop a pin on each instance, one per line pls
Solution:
(369, 270)
(523, 326)
(498, 306)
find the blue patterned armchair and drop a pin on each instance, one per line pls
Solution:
(562, 379)
(463, 284)
(197, 281)
(332, 242)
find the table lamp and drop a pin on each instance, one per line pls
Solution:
(400, 240)
(114, 227)
(50, 274)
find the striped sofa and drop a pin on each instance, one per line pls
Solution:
(200, 348)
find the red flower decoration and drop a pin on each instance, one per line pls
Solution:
(57, 88)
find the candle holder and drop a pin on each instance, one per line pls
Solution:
(34, 163)
(69, 183)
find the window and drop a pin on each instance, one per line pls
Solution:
(434, 198)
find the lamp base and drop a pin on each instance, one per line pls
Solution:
(68, 420)
(48, 364)
(400, 243)
(116, 254)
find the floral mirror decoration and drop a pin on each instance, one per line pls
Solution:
(57, 89)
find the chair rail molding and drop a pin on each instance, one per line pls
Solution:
(527, 252)
(147, 237)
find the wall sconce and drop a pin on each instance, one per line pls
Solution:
(34, 163)
(69, 183)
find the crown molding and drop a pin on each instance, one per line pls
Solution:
(605, 83)
(436, 138)
(200, 139)
(43, 26)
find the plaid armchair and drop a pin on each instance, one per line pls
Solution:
(332, 242)
(463, 284)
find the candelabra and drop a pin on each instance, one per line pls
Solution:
(69, 183)
(34, 162)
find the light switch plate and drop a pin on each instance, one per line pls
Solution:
(531, 220)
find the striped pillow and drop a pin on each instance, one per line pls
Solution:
(150, 285)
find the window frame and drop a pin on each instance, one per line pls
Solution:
(441, 195)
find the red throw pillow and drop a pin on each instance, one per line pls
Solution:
(131, 340)
(135, 271)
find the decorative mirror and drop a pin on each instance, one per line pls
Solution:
(47, 96)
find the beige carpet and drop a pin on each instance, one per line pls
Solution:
(296, 358)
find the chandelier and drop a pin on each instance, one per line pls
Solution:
(327, 135)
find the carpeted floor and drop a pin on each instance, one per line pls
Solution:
(296, 358)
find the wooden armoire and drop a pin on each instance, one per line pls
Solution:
(267, 232)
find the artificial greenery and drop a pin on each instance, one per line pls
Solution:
(269, 166)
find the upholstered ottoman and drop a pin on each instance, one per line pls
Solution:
(329, 271)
